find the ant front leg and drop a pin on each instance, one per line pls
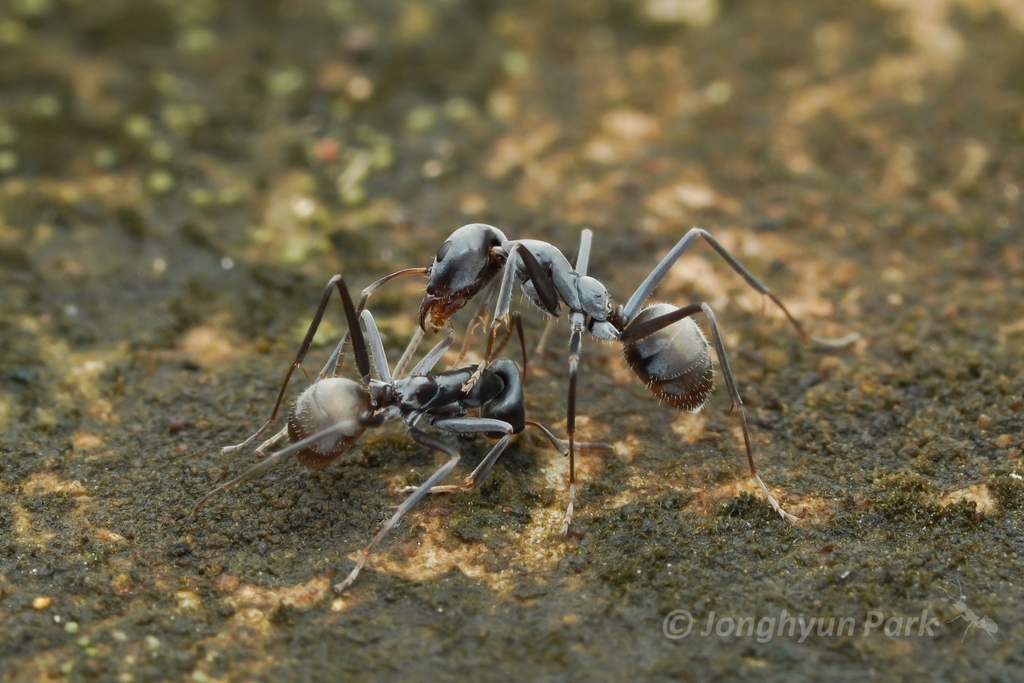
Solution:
(479, 318)
(414, 343)
(516, 324)
(546, 294)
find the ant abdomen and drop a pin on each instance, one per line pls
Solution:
(509, 405)
(674, 362)
(334, 403)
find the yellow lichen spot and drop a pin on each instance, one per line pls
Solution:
(41, 603)
(979, 494)
(302, 596)
(473, 203)
(102, 411)
(253, 618)
(48, 482)
(416, 21)
(696, 13)
(631, 125)
(106, 535)
(187, 600)
(627, 449)
(121, 584)
(5, 411)
(83, 441)
(209, 344)
(690, 426)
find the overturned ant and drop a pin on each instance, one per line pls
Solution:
(333, 412)
(662, 344)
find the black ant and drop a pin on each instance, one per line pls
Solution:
(662, 344)
(333, 412)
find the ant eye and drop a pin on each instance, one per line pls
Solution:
(443, 251)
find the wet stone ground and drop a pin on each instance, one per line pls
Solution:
(179, 179)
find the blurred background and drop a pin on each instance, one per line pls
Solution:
(178, 180)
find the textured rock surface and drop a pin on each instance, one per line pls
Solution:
(178, 181)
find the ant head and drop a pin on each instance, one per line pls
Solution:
(467, 261)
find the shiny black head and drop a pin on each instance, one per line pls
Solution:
(467, 261)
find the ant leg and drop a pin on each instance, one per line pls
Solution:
(558, 444)
(428, 361)
(576, 320)
(516, 323)
(414, 343)
(648, 327)
(380, 359)
(505, 336)
(575, 342)
(299, 357)
(583, 258)
(332, 368)
(472, 425)
(504, 300)
(500, 316)
(550, 325)
(648, 286)
(271, 442)
(344, 426)
(479, 317)
(429, 441)
(364, 297)
(562, 446)
(544, 288)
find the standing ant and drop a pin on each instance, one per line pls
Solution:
(662, 344)
(333, 412)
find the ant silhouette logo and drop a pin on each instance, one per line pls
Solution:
(968, 615)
